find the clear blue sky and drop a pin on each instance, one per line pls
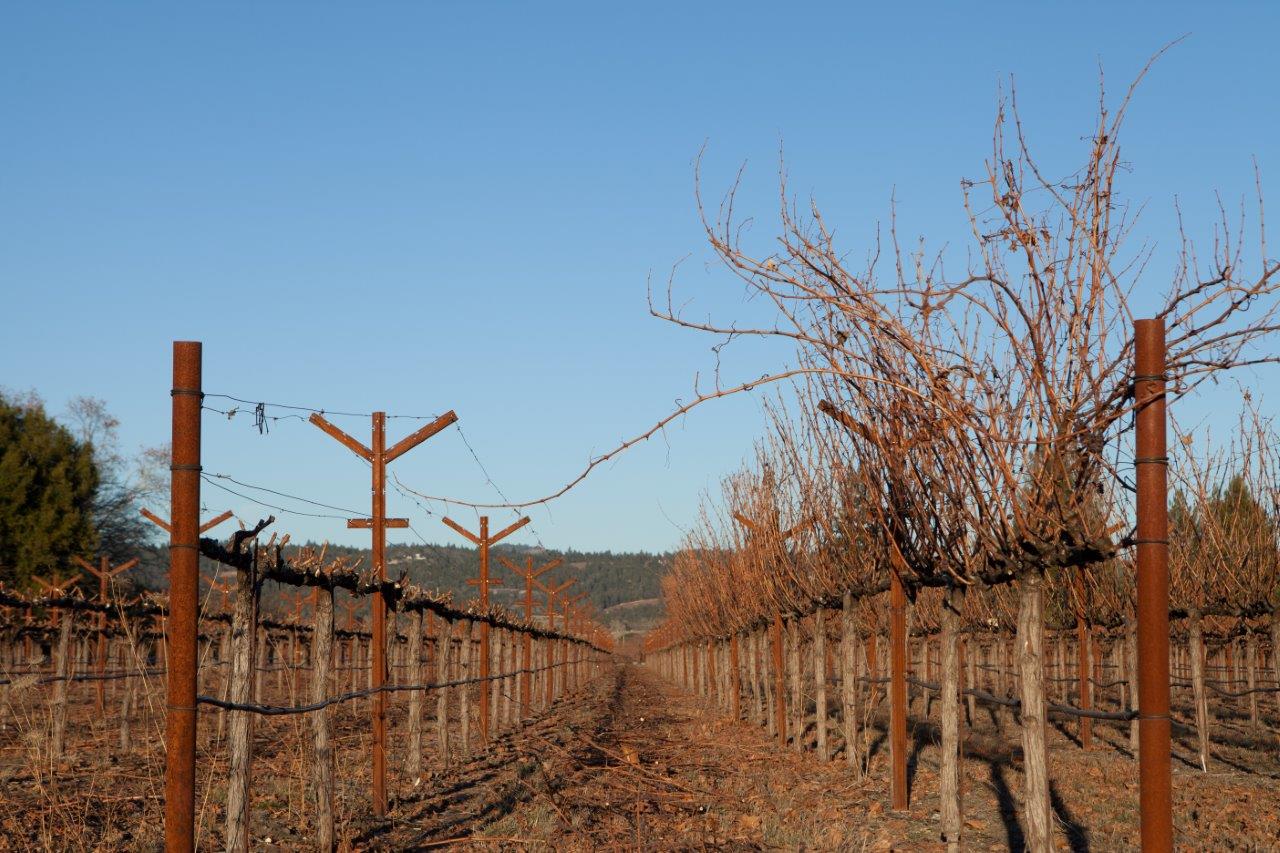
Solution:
(418, 207)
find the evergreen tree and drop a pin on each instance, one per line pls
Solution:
(48, 481)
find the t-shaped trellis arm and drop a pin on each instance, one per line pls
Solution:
(530, 576)
(165, 526)
(552, 594)
(220, 586)
(570, 603)
(55, 587)
(378, 455)
(483, 541)
(483, 537)
(104, 572)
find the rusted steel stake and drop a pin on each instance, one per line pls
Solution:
(526, 656)
(484, 630)
(379, 613)
(379, 456)
(482, 542)
(530, 577)
(184, 577)
(1154, 764)
(104, 572)
(898, 693)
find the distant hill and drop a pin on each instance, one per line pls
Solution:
(623, 586)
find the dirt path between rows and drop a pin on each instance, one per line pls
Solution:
(638, 765)
(634, 764)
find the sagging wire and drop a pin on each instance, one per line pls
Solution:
(229, 478)
(489, 480)
(262, 420)
(213, 482)
(320, 411)
(262, 423)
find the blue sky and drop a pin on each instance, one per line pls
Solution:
(418, 207)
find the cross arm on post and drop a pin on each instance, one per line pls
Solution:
(165, 526)
(58, 586)
(519, 572)
(88, 567)
(213, 522)
(123, 567)
(548, 567)
(530, 573)
(367, 523)
(411, 441)
(489, 582)
(508, 530)
(460, 529)
(554, 591)
(342, 438)
(155, 519)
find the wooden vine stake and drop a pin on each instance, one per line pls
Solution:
(949, 772)
(244, 636)
(56, 742)
(444, 671)
(413, 761)
(322, 766)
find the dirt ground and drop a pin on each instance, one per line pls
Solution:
(646, 767)
(628, 763)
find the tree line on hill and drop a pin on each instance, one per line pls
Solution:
(68, 490)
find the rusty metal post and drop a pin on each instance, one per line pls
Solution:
(379, 661)
(484, 630)
(184, 590)
(551, 644)
(482, 542)
(1152, 540)
(898, 693)
(530, 577)
(104, 572)
(526, 657)
(379, 456)
(779, 679)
